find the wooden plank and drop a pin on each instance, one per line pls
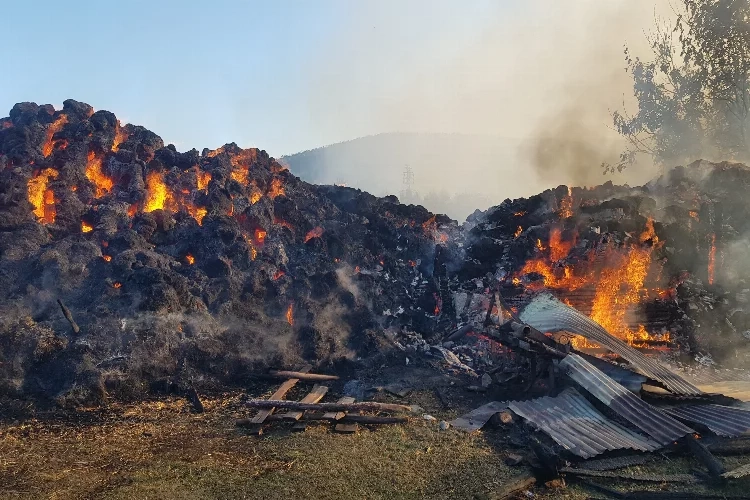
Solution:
(315, 395)
(332, 415)
(345, 428)
(326, 407)
(279, 394)
(302, 375)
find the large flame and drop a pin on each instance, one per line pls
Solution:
(566, 205)
(42, 198)
(95, 174)
(52, 129)
(617, 286)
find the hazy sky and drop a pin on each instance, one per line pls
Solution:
(287, 76)
(260, 73)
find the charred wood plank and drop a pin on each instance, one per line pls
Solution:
(345, 428)
(315, 395)
(195, 401)
(699, 450)
(515, 486)
(326, 407)
(332, 415)
(66, 312)
(302, 376)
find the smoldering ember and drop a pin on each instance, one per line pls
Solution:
(587, 329)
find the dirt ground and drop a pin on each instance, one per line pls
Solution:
(159, 449)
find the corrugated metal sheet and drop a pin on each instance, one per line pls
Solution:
(722, 420)
(478, 417)
(629, 379)
(547, 314)
(578, 427)
(661, 427)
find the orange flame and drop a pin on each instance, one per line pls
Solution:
(107, 257)
(116, 284)
(694, 214)
(260, 236)
(197, 213)
(712, 260)
(278, 274)
(132, 210)
(519, 214)
(202, 179)
(52, 129)
(41, 198)
(539, 245)
(255, 195)
(559, 249)
(120, 137)
(518, 232)
(290, 315)
(86, 227)
(95, 174)
(314, 233)
(190, 259)
(158, 196)
(277, 188)
(566, 205)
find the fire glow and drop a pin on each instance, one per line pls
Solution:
(53, 128)
(314, 233)
(95, 174)
(42, 198)
(290, 314)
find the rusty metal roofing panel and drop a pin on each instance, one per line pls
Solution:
(577, 426)
(661, 427)
(721, 420)
(547, 314)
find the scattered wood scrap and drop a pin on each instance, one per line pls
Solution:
(315, 395)
(334, 415)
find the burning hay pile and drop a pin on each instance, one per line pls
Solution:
(196, 266)
(125, 263)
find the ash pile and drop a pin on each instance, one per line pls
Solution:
(124, 263)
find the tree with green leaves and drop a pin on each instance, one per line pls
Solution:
(694, 95)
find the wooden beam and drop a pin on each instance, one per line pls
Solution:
(315, 395)
(326, 407)
(301, 375)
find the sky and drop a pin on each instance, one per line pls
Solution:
(203, 73)
(292, 75)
